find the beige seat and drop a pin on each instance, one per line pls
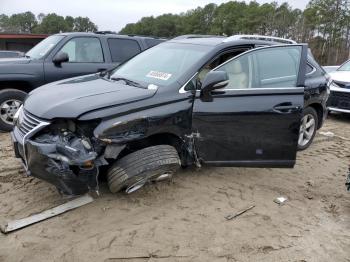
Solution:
(203, 73)
(238, 78)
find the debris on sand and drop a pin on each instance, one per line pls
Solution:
(280, 200)
(331, 134)
(21, 223)
(229, 217)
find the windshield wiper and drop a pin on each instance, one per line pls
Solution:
(128, 82)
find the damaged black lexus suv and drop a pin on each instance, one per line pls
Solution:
(234, 101)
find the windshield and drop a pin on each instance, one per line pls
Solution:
(161, 65)
(41, 49)
(345, 67)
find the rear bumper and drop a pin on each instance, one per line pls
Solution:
(52, 171)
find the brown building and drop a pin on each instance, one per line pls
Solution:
(20, 42)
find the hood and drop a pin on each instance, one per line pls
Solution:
(341, 76)
(71, 98)
(17, 60)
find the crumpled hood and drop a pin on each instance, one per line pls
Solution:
(14, 61)
(340, 76)
(73, 97)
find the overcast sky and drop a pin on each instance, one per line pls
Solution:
(114, 14)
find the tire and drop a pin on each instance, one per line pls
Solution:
(9, 98)
(308, 136)
(149, 164)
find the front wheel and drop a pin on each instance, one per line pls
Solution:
(308, 128)
(10, 101)
(153, 163)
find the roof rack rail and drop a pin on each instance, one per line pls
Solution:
(105, 32)
(261, 37)
(196, 36)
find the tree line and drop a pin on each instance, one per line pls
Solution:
(44, 23)
(323, 24)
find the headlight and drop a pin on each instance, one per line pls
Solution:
(16, 115)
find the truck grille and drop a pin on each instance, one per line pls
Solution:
(27, 123)
(339, 100)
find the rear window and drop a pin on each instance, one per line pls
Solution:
(123, 49)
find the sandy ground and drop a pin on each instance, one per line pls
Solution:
(184, 220)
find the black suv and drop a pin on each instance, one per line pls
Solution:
(192, 100)
(62, 56)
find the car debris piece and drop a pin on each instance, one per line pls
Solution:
(21, 223)
(230, 217)
(280, 200)
(347, 183)
(328, 133)
(331, 134)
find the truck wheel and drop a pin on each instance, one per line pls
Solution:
(10, 101)
(149, 164)
(308, 128)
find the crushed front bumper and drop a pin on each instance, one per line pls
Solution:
(67, 179)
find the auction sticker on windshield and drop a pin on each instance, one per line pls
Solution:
(159, 75)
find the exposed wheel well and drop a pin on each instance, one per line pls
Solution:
(157, 139)
(319, 109)
(20, 85)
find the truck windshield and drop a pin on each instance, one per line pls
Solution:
(45, 46)
(163, 64)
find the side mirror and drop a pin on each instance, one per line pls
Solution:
(61, 57)
(213, 80)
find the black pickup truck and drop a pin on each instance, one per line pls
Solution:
(62, 56)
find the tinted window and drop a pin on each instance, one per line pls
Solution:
(309, 69)
(123, 49)
(84, 50)
(152, 42)
(269, 67)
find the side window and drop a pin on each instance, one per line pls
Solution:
(264, 68)
(218, 61)
(123, 49)
(309, 69)
(84, 50)
(150, 42)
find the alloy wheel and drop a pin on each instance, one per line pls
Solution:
(307, 129)
(8, 109)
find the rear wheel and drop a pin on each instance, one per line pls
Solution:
(10, 101)
(153, 163)
(308, 128)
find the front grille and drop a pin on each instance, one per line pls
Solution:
(339, 100)
(27, 122)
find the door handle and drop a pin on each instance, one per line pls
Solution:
(101, 70)
(286, 108)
